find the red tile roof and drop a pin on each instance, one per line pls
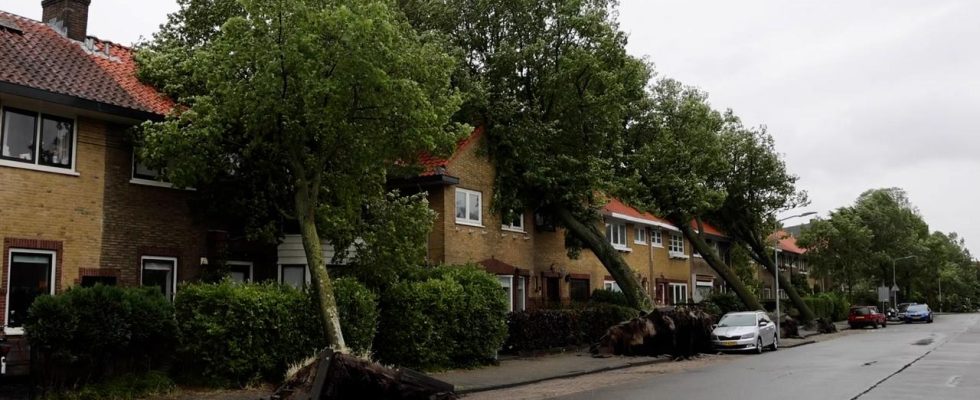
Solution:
(431, 164)
(708, 228)
(41, 58)
(617, 206)
(787, 242)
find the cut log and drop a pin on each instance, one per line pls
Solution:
(682, 332)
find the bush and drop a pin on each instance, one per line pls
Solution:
(603, 296)
(125, 387)
(238, 334)
(87, 335)
(537, 330)
(725, 303)
(453, 318)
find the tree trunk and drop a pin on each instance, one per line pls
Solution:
(322, 286)
(608, 256)
(761, 254)
(713, 260)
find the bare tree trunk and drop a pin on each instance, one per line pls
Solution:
(714, 260)
(608, 256)
(761, 254)
(322, 286)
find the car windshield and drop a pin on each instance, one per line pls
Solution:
(737, 320)
(903, 307)
(917, 308)
(861, 311)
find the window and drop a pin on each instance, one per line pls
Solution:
(507, 283)
(704, 289)
(49, 143)
(767, 293)
(516, 224)
(676, 245)
(612, 286)
(239, 271)
(294, 275)
(656, 238)
(579, 289)
(616, 233)
(521, 293)
(31, 275)
(678, 293)
(469, 207)
(640, 235)
(160, 272)
(142, 172)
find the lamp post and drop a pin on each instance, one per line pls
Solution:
(894, 285)
(775, 261)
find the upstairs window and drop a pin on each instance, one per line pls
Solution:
(640, 233)
(516, 224)
(656, 238)
(676, 244)
(37, 139)
(616, 233)
(469, 205)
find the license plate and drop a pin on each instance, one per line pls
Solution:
(729, 343)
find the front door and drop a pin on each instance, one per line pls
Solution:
(553, 294)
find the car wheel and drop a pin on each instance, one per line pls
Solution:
(853, 326)
(758, 345)
(775, 343)
(884, 324)
(930, 320)
(874, 324)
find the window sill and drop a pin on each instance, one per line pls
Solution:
(39, 168)
(469, 223)
(623, 249)
(14, 331)
(159, 184)
(659, 245)
(679, 256)
(639, 242)
(697, 256)
(514, 230)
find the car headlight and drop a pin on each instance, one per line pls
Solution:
(748, 336)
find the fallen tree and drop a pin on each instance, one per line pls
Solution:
(681, 332)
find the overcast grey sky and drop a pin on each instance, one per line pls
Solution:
(858, 95)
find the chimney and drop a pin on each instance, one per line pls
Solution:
(71, 15)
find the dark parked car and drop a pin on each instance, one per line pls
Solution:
(861, 316)
(918, 312)
(902, 308)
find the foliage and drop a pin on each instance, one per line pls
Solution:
(604, 296)
(801, 284)
(838, 247)
(545, 329)
(310, 101)
(454, 317)
(238, 334)
(86, 335)
(746, 269)
(725, 303)
(124, 387)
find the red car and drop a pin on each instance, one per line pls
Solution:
(861, 316)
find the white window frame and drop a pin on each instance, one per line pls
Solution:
(466, 220)
(616, 234)
(173, 289)
(678, 288)
(656, 237)
(676, 246)
(704, 284)
(7, 270)
(509, 289)
(249, 264)
(512, 227)
(639, 234)
(36, 165)
(767, 293)
(306, 270)
(611, 286)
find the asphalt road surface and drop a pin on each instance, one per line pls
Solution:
(918, 361)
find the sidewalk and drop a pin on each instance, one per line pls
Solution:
(523, 371)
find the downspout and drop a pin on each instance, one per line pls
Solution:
(652, 280)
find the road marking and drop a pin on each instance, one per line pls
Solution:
(954, 381)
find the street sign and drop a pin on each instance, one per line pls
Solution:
(895, 288)
(883, 294)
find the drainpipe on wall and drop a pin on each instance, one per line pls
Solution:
(652, 281)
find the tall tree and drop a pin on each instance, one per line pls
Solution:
(674, 164)
(838, 248)
(758, 186)
(554, 87)
(321, 97)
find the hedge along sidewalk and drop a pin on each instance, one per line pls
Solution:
(525, 371)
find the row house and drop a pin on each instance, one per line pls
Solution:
(792, 262)
(529, 256)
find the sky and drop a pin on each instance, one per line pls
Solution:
(858, 95)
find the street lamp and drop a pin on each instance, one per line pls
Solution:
(775, 260)
(895, 286)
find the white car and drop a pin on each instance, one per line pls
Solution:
(749, 330)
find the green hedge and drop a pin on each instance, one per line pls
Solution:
(603, 296)
(238, 334)
(719, 304)
(87, 335)
(453, 317)
(828, 305)
(537, 330)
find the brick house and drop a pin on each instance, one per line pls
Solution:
(792, 262)
(529, 257)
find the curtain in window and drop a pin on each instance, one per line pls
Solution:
(56, 142)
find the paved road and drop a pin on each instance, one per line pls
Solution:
(919, 361)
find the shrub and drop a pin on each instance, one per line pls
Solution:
(238, 334)
(453, 318)
(87, 335)
(537, 330)
(725, 303)
(124, 387)
(603, 296)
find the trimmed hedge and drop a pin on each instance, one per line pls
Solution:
(603, 296)
(537, 330)
(238, 334)
(827, 305)
(88, 335)
(453, 318)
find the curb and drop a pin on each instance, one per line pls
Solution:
(790, 346)
(562, 376)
